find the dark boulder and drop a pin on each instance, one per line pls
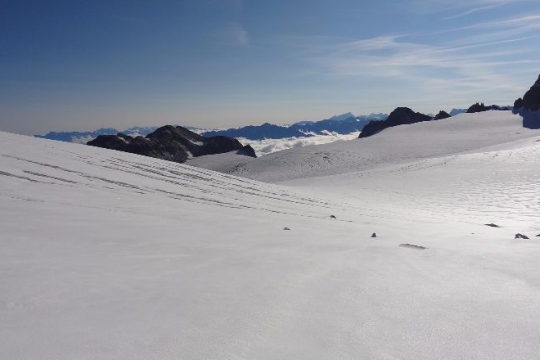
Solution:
(442, 115)
(169, 143)
(400, 116)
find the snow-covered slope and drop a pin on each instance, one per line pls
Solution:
(459, 134)
(108, 255)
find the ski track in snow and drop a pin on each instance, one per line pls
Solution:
(159, 178)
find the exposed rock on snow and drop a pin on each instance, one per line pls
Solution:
(480, 107)
(172, 143)
(531, 99)
(529, 107)
(442, 115)
(518, 104)
(521, 236)
(400, 116)
(247, 150)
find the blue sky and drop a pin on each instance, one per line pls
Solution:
(81, 65)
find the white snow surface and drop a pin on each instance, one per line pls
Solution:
(405, 143)
(109, 255)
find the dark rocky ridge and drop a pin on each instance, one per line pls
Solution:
(480, 107)
(528, 106)
(400, 116)
(259, 132)
(531, 99)
(172, 143)
(343, 124)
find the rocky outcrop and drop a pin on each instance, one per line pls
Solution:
(528, 107)
(476, 108)
(247, 151)
(531, 99)
(171, 143)
(400, 116)
(480, 107)
(518, 104)
(442, 115)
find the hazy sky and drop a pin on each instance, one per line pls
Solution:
(80, 65)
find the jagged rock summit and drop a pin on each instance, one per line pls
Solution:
(480, 107)
(531, 99)
(400, 116)
(442, 115)
(172, 143)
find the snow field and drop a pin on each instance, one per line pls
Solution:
(107, 255)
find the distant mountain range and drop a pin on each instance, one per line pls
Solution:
(86, 136)
(341, 124)
(455, 112)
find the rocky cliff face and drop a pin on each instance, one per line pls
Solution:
(400, 116)
(172, 143)
(531, 99)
